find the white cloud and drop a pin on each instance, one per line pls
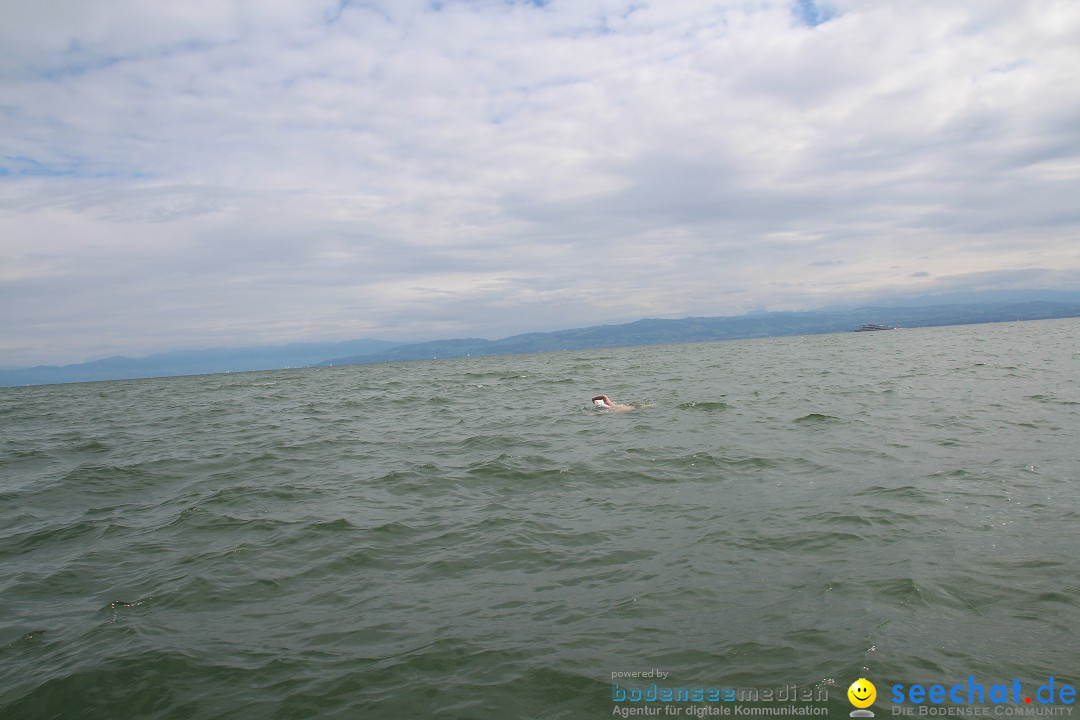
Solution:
(181, 174)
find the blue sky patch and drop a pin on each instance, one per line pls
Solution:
(811, 14)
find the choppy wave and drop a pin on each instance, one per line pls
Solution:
(400, 541)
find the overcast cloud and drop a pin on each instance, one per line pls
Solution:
(189, 174)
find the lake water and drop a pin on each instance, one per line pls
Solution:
(471, 539)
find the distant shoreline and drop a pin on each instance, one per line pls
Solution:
(638, 333)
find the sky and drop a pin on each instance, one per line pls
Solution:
(241, 172)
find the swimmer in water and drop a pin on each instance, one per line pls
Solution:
(604, 403)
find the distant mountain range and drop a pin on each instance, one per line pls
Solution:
(704, 329)
(192, 362)
(641, 332)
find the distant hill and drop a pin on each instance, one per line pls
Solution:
(640, 332)
(192, 362)
(703, 329)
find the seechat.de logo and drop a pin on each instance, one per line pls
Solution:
(862, 694)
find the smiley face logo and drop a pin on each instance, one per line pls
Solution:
(862, 693)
